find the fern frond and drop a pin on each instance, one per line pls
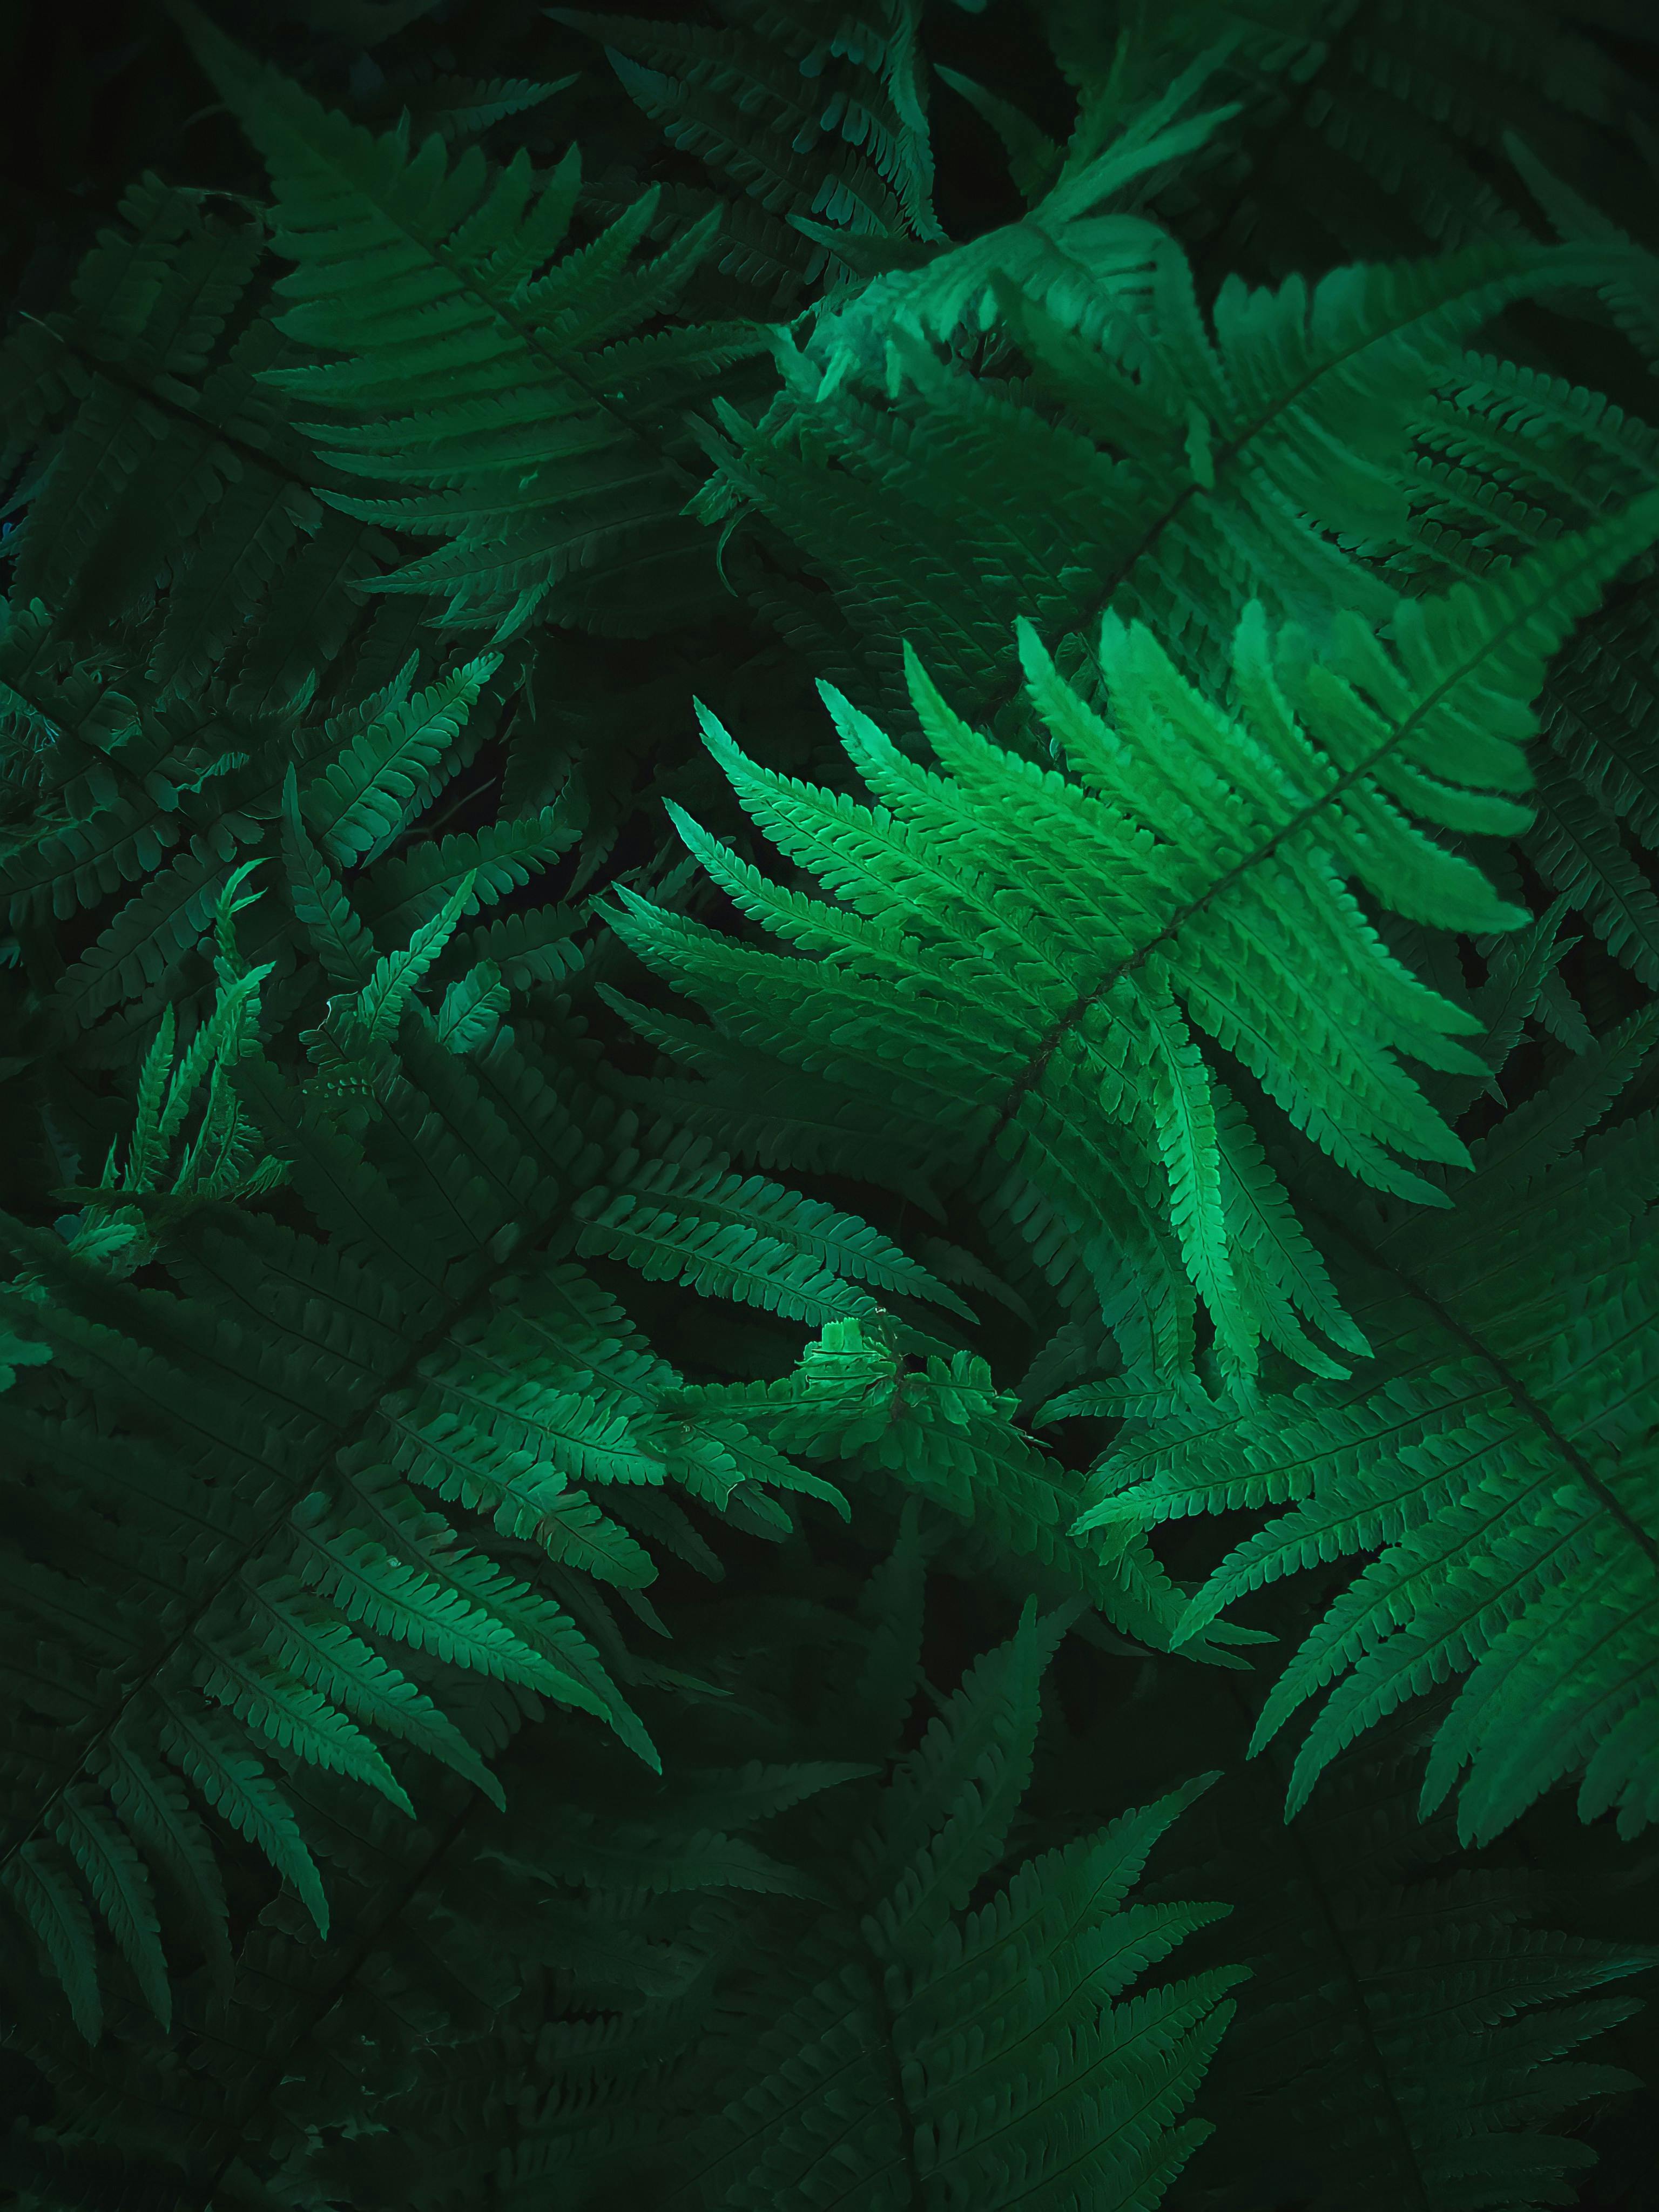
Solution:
(476, 370)
(315, 1369)
(1021, 956)
(939, 2055)
(1498, 1460)
(366, 790)
(1259, 448)
(1409, 2033)
(1374, 138)
(43, 1888)
(142, 434)
(766, 99)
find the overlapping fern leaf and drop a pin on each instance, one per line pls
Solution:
(166, 666)
(1511, 456)
(1423, 2049)
(236, 1575)
(921, 2053)
(147, 810)
(680, 1945)
(509, 393)
(1498, 1455)
(600, 1887)
(143, 777)
(1362, 132)
(814, 112)
(159, 480)
(1416, 2031)
(1022, 959)
(1261, 440)
(261, 1589)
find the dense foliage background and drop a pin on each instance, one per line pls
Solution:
(880, 1445)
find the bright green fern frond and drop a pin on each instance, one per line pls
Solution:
(1498, 1459)
(1024, 956)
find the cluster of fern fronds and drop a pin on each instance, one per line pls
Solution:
(811, 816)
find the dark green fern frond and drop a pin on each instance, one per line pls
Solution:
(598, 1885)
(162, 483)
(1264, 448)
(1368, 133)
(509, 388)
(220, 1159)
(127, 421)
(1413, 2031)
(684, 1217)
(1512, 458)
(816, 112)
(151, 803)
(920, 2053)
(463, 107)
(1408, 2037)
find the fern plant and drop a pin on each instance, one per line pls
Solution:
(913, 2053)
(618, 1354)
